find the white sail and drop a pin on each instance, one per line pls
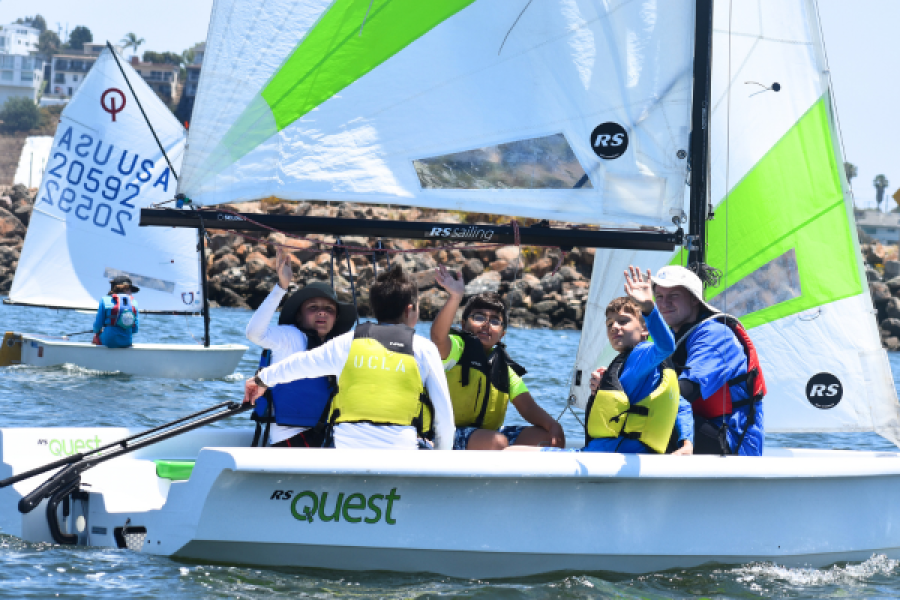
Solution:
(104, 167)
(783, 233)
(564, 109)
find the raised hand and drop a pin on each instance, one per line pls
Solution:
(596, 378)
(283, 267)
(639, 288)
(451, 282)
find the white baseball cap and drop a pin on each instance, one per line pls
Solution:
(674, 275)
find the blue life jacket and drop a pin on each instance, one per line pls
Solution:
(119, 310)
(299, 403)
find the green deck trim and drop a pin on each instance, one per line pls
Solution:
(176, 470)
(804, 209)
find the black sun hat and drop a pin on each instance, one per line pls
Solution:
(346, 316)
(119, 279)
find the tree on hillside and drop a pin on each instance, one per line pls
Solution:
(37, 21)
(851, 170)
(48, 43)
(131, 40)
(20, 114)
(880, 182)
(80, 36)
(163, 58)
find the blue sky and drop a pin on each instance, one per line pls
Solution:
(860, 37)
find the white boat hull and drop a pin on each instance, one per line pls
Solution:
(469, 514)
(174, 361)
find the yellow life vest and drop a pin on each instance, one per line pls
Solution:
(610, 414)
(479, 386)
(380, 382)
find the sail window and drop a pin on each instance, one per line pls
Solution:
(544, 163)
(775, 282)
(151, 283)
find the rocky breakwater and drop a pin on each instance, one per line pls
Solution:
(15, 212)
(242, 269)
(883, 273)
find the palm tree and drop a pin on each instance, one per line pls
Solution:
(880, 182)
(132, 41)
(852, 171)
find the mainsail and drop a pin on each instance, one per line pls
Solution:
(783, 234)
(104, 167)
(573, 110)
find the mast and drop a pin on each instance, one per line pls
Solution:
(201, 247)
(698, 211)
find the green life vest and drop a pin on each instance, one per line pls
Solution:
(479, 386)
(610, 413)
(380, 382)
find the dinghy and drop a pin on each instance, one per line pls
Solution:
(510, 107)
(105, 165)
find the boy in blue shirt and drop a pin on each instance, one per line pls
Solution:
(635, 401)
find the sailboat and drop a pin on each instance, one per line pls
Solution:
(116, 151)
(598, 113)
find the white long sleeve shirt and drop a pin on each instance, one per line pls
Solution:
(330, 358)
(282, 340)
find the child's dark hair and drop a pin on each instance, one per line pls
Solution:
(391, 293)
(625, 304)
(486, 300)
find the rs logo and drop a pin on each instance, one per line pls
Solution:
(606, 140)
(820, 390)
(824, 391)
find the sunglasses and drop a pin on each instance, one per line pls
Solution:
(480, 318)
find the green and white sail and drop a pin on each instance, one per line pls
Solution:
(478, 105)
(783, 234)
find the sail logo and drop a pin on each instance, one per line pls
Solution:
(609, 140)
(824, 390)
(309, 506)
(112, 108)
(463, 233)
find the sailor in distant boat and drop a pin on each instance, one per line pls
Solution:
(483, 379)
(309, 318)
(635, 401)
(392, 388)
(719, 372)
(117, 316)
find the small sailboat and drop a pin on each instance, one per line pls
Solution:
(105, 165)
(592, 112)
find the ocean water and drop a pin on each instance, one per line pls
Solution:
(74, 397)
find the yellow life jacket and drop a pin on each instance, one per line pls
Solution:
(610, 413)
(380, 382)
(479, 386)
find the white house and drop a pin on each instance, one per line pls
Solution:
(68, 70)
(21, 73)
(884, 227)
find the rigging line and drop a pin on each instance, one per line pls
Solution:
(513, 27)
(837, 117)
(146, 119)
(366, 17)
(727, 169)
